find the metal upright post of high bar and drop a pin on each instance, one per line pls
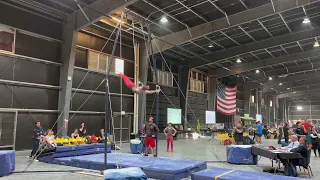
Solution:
(108, 115)
(156, 82)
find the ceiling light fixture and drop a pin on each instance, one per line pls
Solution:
(306, 21)
(164, 19)
(238, 60)
(280, 84)
(270, 78)
(299, 108)
(288, 88)
(210, 46)
(257, 71)
(316, 44)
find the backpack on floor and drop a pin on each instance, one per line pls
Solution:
(247, 140)
(227, 142)
(290, 170)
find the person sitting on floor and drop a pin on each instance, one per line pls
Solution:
(294, 143)
(49, 139)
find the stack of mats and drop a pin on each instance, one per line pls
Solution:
(124, 174)
(157, 168)
(228, 174)
(65, 152)
(7, 162)
(241, 154)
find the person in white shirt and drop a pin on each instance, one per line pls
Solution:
(49, 138)
(294, 143)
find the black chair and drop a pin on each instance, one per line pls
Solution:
(308, 167)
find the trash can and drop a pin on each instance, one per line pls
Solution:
(135, 146)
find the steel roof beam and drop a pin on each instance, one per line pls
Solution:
(311, 75)
(298, 93)
(241, 68)
(291, 85)
(195, 13)
(254, 46)
(183, 36)
(97, 10)
(278, 72)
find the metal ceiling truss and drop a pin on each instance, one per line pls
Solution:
(183, 36)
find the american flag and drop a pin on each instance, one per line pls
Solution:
(226, 99)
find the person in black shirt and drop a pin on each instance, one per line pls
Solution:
(286, 132)
(38, 132)
(82, 130)
(238, 134)
(300, 130)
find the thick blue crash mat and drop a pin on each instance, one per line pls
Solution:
(68, 151)
(229, 174)
(132, 173)
(241, 154)
(158, 168)
(7, 162)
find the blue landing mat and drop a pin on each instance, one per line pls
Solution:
(228, 174)
(7, 162)
(158, 168)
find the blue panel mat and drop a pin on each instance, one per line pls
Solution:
(241, 154)
(125, 174)
(7, 162)
(228, 174)
(160, 168)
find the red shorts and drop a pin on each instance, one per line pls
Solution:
(150, 142)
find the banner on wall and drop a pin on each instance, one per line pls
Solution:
(259, 117)
(210, 117)
(174, 116)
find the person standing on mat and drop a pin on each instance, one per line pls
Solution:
(152, 131)
(137, 89)
(38, 132)
(82, 130)
(169, 131)
(142, 137)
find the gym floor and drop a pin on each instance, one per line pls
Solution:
(184, 148)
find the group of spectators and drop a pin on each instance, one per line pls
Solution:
(40, 136)
(47, 138)
(238, 131)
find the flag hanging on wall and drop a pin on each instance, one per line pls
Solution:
(226, 99)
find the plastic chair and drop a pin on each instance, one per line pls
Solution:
(308, 168)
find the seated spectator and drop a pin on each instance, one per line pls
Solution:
(94, 138)
(294, 143)
(102, 136)
(49, 139)
(75, 134)
(303, 150)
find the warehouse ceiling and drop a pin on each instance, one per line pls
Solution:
(273, 43)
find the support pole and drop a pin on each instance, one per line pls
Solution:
(156, 82)
(108, 115)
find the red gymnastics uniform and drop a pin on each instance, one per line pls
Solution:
(127, 81)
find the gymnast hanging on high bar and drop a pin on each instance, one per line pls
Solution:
(138, 89)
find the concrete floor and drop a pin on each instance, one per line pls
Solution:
(184, 148)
